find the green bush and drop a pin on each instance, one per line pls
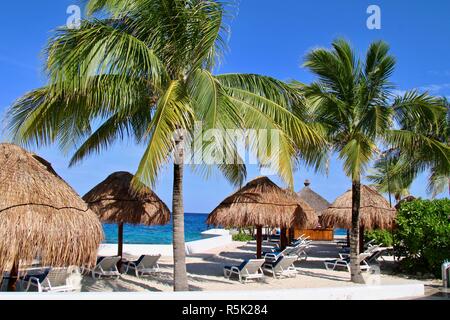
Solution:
(383, 237)
(423, 235)
(242, 237)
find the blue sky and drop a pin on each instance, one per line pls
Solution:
(267, 37)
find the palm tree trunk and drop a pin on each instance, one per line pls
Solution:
(361, 239)
(348, 238)
(355, 268)
(179, 247)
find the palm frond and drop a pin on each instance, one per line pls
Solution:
(101, 48)
(173, 112)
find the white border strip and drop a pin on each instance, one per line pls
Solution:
(384, 292)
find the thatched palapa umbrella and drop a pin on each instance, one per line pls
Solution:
(41, 216)
(375, 212)
(262, 203)
(116, 201)
(315, 200)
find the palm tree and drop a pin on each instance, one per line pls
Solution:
(145, 71)
(439, 180)
(388, 177)
(429, 147)
(353, 100)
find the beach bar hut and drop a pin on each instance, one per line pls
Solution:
(42, 219)
(262, 203)
(319, 204)
(375, 212)
(116, 201)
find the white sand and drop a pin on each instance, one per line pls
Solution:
(205, 272)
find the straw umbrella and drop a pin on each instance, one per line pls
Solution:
(262, 203)
(315, 200)
(115, 201)
(375, 212)
(41, 216)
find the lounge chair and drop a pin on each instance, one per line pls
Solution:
(300, 252)
(146, 264)
(370, 249)
(377, 253)
(367, 246)
(301, 240)
(49, 280)
(344, 262)
(274, 255)
(282, 267)
(106, 267)
(250, 269)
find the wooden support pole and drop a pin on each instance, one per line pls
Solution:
(283, 238)
(259, 242)
(13, 276)
(120, 245)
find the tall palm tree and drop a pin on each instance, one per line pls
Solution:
(145, 71)
(429, 143)
(353, 100)
(439, 180)
(388, 177)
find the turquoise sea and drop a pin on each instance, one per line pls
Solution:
(340, 232)
(195, 224)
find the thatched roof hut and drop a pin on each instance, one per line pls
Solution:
(115, 201)
(375, 212)
(315, 200)
(262, 203)
(41, 215)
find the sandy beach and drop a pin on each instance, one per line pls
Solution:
(205, 272)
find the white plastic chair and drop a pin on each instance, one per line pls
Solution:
(50, 280)
(106, 267)
(283, 267)
(251, 269)
(146, 264)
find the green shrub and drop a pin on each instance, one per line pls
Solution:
(383, 237)
(242, 237)
(423, 235)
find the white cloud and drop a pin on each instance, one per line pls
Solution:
(435, 88)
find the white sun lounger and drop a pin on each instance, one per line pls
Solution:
(146, 264)
(49, 280)
(344, 262)
(274, 256)
(297, 251)
(300, 251)
(251, 269)
(106, 267)
(283, 267)
(301, 240)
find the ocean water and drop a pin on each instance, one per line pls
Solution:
(340, 232)
(195, 224)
